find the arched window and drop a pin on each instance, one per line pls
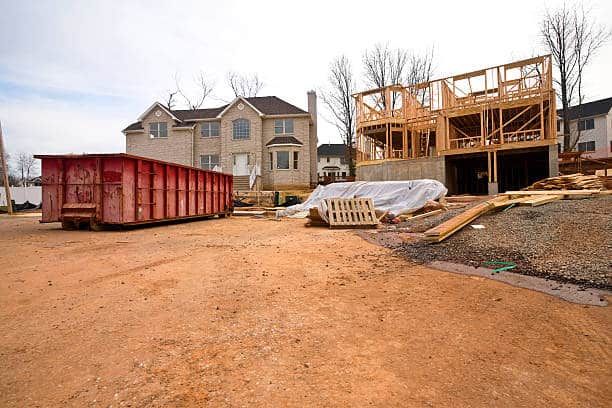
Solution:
(241, 129)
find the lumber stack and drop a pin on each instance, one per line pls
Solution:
(577, 181)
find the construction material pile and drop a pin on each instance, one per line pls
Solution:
(577, 181)
(390, 198)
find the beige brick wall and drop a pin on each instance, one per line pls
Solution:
(207, 145)
(277, 179)
(230, 146)
(176, 148)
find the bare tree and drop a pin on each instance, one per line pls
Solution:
(170, 103)
(384, 66)
(339, 101)
(204, 88)
(25, 165)
(420, 69)
(572, 38)
(244, 85)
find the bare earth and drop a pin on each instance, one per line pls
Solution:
(253, 312)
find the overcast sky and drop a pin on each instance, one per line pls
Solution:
(74, 73)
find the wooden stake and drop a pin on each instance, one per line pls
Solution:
(9, 206)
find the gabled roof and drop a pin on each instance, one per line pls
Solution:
(284, 140)
(232, 103)
(263, 105)
(158, 106)
(595, 108)
(334, 150)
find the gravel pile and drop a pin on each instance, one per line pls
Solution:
(566, 240)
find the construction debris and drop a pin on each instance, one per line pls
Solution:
(577, 181)
(507, 200)
(393, 197)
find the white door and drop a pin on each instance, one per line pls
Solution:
(241, 164)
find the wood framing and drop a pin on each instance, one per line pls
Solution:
(503, 107)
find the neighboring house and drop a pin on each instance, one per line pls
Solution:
(265, 142)
(332, 161)
(594, 120)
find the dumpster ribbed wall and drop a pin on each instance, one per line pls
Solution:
(125, 189)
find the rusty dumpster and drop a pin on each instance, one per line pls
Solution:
(121, 189)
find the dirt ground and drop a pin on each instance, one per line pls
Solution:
(255, 312)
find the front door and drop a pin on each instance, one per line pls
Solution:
(241, 164)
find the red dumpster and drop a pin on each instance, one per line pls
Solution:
(122, 189)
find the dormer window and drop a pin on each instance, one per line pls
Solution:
(158, 130)
(209, 129)
(283, 126)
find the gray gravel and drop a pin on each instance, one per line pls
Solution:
(567, 240)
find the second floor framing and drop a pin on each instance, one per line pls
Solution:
(501, 107)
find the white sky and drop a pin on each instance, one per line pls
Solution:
(74, 73)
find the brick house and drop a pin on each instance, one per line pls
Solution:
(267, 143)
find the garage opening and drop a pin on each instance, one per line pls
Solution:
(516, 169)
(519, 168)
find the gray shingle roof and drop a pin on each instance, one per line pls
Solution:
(284, 140)
(595, 108)
(335, 150)
(268, 105)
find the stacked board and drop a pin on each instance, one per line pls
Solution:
(577, 181)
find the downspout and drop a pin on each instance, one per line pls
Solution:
(193, 146)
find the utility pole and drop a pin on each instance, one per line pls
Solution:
(9, 204)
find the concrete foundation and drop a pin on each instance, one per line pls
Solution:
(427, 167)
(493, 188)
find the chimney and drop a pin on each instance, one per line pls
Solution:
(313, 138)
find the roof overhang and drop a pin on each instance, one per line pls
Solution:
(285, 144)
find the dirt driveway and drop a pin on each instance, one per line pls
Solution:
(254, 312)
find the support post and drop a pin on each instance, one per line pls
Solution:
(7, 189)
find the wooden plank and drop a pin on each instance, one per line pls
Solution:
(424, 215)
(549, 192)
(540, 200)
(448, 228)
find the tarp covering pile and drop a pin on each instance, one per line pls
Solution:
(391, 197)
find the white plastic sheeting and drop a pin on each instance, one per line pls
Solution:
(394, 197)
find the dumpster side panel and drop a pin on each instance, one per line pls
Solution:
(80, 177)
(52, 189)
(110, 208)
(129, 190)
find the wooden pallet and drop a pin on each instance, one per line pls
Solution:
(351, 213)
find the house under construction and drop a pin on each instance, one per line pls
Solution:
(480, 132)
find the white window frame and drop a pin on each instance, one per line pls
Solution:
(239, 133)
(156, 128)
(281, 126)
(210, 163)
(208, 127)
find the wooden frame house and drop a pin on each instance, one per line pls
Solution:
(463, 123)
